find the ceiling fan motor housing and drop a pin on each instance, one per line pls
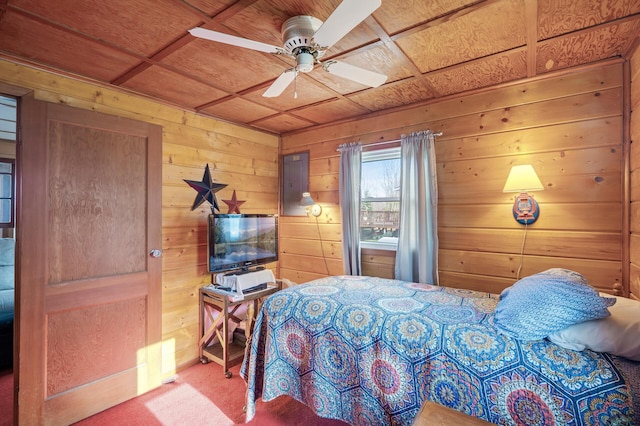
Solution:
(297, 35)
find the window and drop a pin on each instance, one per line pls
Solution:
(7, 167)
(380, 199)
(8, 114)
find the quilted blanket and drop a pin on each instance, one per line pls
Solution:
(370, 351)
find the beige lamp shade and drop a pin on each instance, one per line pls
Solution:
(522, 178)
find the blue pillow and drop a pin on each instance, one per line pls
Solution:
(544, 303)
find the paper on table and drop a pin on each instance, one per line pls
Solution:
(232, 295)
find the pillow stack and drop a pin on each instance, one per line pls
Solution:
(618, 334)
(562, 306)
(544, 303)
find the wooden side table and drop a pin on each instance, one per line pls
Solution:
(226, 349)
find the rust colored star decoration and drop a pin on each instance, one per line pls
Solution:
(234, 204)
(206, 190)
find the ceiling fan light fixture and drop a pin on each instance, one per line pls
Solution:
(305, 61)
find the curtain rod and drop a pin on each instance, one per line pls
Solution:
(387, 142)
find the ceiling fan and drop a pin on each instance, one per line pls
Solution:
(306, 39)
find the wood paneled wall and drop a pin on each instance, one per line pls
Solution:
(244, 159)
(568, 125)
(634, 176)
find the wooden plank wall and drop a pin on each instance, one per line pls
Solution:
(245, 159)
(634, 176)
(568, 125)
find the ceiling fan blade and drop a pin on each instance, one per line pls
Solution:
(281, 83)
(346, 17)
(233, 40)
(353, 73)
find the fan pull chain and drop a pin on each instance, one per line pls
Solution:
(295, 86)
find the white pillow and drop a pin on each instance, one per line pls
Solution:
(618, 334)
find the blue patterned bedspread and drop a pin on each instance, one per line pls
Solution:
(369, 351)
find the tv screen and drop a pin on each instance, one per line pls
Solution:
(239, 241)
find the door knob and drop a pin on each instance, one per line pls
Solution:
(155, 253)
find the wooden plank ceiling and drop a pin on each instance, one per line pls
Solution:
(428, 49)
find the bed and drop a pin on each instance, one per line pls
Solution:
(368, 351)
(7, 287)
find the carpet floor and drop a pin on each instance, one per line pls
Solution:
(6, 398)
(199, 396)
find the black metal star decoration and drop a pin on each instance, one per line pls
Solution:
(206, 190)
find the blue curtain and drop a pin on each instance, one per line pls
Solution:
(417, 253)
(350, 171)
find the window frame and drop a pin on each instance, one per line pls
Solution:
(387, 153)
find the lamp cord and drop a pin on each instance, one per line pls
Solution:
(326, 267)
(524, 237)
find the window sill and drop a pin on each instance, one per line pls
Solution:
(379, 246)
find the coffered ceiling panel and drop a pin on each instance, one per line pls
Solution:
(558, 17)
(159, 82)
(427, 50)
(283, 122)
(210, 7)
(391, 95)
(239, 110)
(333, 110)
(234, 68)
(33, 40)
(468, 37)
(589, 46)
(395, 16)
(140, 26)
(480, 73)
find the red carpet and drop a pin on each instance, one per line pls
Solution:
(202, 396)
(199, 396)
(6, 398)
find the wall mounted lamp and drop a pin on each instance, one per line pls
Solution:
(312, 207)
(523, 178)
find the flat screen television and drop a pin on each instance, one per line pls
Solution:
(240, 241)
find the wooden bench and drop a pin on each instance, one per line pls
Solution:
(433, 414)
